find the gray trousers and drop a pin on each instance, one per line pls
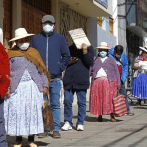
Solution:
(3, 142)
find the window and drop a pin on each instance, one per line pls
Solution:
(99, 21)
(110, 25)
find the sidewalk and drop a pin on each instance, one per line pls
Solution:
(129, 131)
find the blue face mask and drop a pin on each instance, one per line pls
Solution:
(103, 54)
(48, 28)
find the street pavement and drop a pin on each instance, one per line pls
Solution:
(128, 131)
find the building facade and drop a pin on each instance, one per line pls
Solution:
(68, 14)
(136, 28)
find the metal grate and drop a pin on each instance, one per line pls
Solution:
(69, 20)
(42, 5)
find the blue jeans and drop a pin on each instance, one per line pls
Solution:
(3, 142)
(123, 92)
(68, 100)
(54, 91)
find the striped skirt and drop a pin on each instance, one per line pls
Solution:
(101, 94)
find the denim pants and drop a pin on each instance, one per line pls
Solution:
(68, 100)
(123, 92)
(3, 142)
(54, 91)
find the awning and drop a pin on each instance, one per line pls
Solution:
(89, 8)
(137, 31)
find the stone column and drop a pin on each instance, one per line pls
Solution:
(55, 11)
(1, 20)
(16, 15)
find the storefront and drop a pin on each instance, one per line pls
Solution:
(136, 31)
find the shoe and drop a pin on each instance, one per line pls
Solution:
(138, 105)
(80, 128)
(113, 120)
(43, 135)
(56, 134)
(66, 126)
(32, 144)
(18, 144)
(99, 119)
(129, 114)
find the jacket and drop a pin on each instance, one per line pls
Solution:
(110, 67)
(18, 65)
(124, 66)
(77, 75)
(54, 52)
(4, 70)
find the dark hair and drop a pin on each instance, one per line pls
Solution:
(118, 49)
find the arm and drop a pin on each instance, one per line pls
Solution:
(125, 69)
(117, 72)
(65, 55)
(88, 55)
(5, 60)
(45, 83)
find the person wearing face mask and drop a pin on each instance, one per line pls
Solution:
(4, 84)
(139, 86)
(56, 57)
(29, 81)
(105, 82)
(121, 60)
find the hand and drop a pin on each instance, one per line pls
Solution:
(8, 93)
(45, 90)
(118, 87)
(72, 61)
(8, 76)
(84, 47)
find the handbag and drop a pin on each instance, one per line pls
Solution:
(119, 106)
(47, 115)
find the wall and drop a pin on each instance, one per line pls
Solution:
(122, 24)
(98, 35)
(16, 15)
(1, 14)
(115, 20)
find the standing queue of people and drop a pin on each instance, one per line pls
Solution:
(37, 67)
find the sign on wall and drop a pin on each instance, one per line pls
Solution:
(103, 2)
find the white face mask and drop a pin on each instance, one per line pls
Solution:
(23, 46)
(47, 28)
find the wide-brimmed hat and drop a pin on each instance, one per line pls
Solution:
(143, 48)
(20, 33)
(103, 45)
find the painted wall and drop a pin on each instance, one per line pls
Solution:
(122, 24)
(1, 14)
(98, 35)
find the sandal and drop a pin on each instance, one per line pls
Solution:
(32, 144)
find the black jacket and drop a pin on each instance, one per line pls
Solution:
(77, 74)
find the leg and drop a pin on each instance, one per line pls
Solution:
(81, 95)
(112, 118)
(31, 141)
(139, 102)
(100, 119)
(3, 142)
(68, 100)
(54, 91)
(123, 92)
(31, 138)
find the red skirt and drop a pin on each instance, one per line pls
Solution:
(101, 94)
